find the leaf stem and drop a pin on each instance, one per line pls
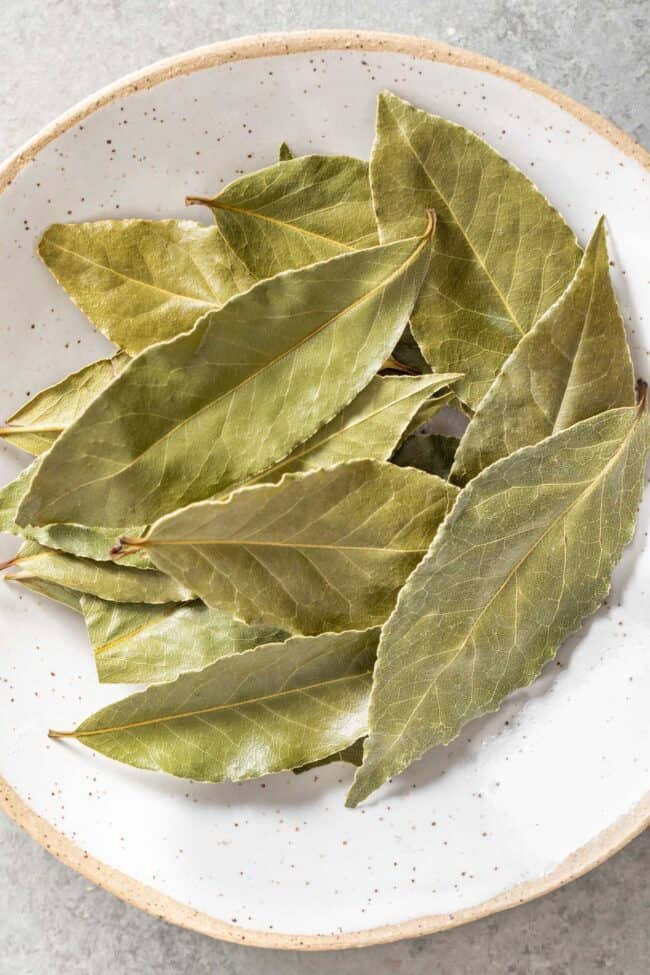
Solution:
(126, 546)
(204, 201)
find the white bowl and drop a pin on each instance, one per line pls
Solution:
(525, 799)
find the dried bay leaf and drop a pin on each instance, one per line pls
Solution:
(284, 152)
(296, 212)
(80, 540)
(503, 255)
(37, 424)
(526, 554)
(573, 364)
(430, 452)
(324, 550)
(143, 281)
(269, 709)
(283, 358)
(369, 427)
(147, 644)
(118, 583)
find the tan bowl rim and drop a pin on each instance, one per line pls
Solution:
(597, 850)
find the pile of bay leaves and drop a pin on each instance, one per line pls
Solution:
(246, 502)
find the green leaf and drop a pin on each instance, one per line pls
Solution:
(59, 594)
(296, 212)
(325, 550)
(143, 281)
(144, 644)
(526, 554)
(107, 580)
(431, 452)
(284, 153)
(37, 424)
(267, 371)
(573, 364)
(370, 427)
(503, 255)
(353, 755)
(269, 709)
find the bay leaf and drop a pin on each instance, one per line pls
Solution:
(269, 709)
(281, 359)
(573, 364)
(323, 550)
(284, 152)
(146, 644)
(143, 281)
(503, 255)
(369, 427)
(431, 452)
(37, 424)
(526, 554)
(91, 543)
(51, 590)
(107, 580)
(296, 212)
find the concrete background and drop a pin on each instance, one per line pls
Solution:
(54, 52)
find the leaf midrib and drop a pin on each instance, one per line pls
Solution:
(137, 281)
(456, 220)
(251, 543)
(233, 705)
(256, 214)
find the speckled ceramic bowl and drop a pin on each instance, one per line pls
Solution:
(526, 799)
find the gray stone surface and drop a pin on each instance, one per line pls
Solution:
(54, 52)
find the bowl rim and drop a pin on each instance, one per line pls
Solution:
(140, 895)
